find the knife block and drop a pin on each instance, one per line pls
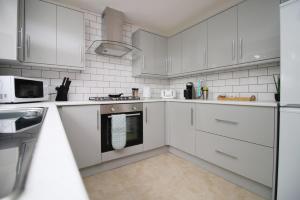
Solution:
(62, 94)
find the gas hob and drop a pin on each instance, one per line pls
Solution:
(122, 98)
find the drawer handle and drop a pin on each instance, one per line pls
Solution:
(226, 121)
(226, 154)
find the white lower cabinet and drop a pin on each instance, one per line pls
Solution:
(154, 125)
(249, 160)
(82, 126)
(180, 123)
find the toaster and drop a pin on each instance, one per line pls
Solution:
(168, 94)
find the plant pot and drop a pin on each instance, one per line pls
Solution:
(277, 97)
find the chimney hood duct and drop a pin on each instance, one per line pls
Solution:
(112, 43)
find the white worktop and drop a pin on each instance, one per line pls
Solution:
(53, 173)
(241, 103)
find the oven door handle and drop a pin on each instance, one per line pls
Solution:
(128, 115)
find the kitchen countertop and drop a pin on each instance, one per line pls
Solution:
(53, 173)
(241, 103)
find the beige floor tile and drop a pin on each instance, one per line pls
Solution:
(164, 177)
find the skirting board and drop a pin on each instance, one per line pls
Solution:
(236, 179)
(122, 161)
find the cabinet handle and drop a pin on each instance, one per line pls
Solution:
(241, 48)
(233, 50)
(28, 46)
(143, 61)
(20, 46)
(205, 57)
(81, 54)
(226, 121)
(166, 65)
(98, 120)
(226, 154)
(192, 116)
(146, 115)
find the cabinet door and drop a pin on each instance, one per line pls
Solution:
(222, 39)
(194, 46)
(160, 55)
(40, 23)
(154, 125)
(258, 30)
(180, 122)
(83, 133)
(174, 54)
(145, 41)
(70, 45)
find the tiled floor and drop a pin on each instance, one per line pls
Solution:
(164, 177)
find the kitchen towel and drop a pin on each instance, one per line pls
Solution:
(118, 131)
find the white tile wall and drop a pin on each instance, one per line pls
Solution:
(255, 80)
(102, 75)
(105, 74)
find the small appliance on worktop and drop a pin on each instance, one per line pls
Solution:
(189, 92)
(15, 89)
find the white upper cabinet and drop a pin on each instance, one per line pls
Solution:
(70, 34)
(258, 30)
(222, 39)
(40, 22)
(174, 54)
(160, 55)
(54, 35)
(154, 54)
(194, 48)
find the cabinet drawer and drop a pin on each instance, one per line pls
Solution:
(249, 160)
(247, 123)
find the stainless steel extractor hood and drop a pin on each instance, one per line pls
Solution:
(112, 43)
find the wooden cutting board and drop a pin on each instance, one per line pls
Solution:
(227, 98)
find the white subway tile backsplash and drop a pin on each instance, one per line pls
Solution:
(241, 73)
(32, 73)
(241, 88)
(265, 79)
(258, 88)
(50, 74)
(258, 72)
(248, 81)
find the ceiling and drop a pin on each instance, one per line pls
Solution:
(165, 17)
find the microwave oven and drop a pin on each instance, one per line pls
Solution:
(15, 89)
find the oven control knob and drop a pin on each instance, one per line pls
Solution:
(133, 108)
(113, 109)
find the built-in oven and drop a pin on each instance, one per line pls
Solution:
(134, 124)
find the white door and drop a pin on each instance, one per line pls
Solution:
(146, 42)
(222, 39)
(289, 157)
(174, 54)
(70, 37)
(154, 125)
(290, 52)
(258, 30)
(40, 23)
(194, 48)
(82, 126)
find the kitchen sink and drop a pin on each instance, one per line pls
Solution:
(19, 130)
